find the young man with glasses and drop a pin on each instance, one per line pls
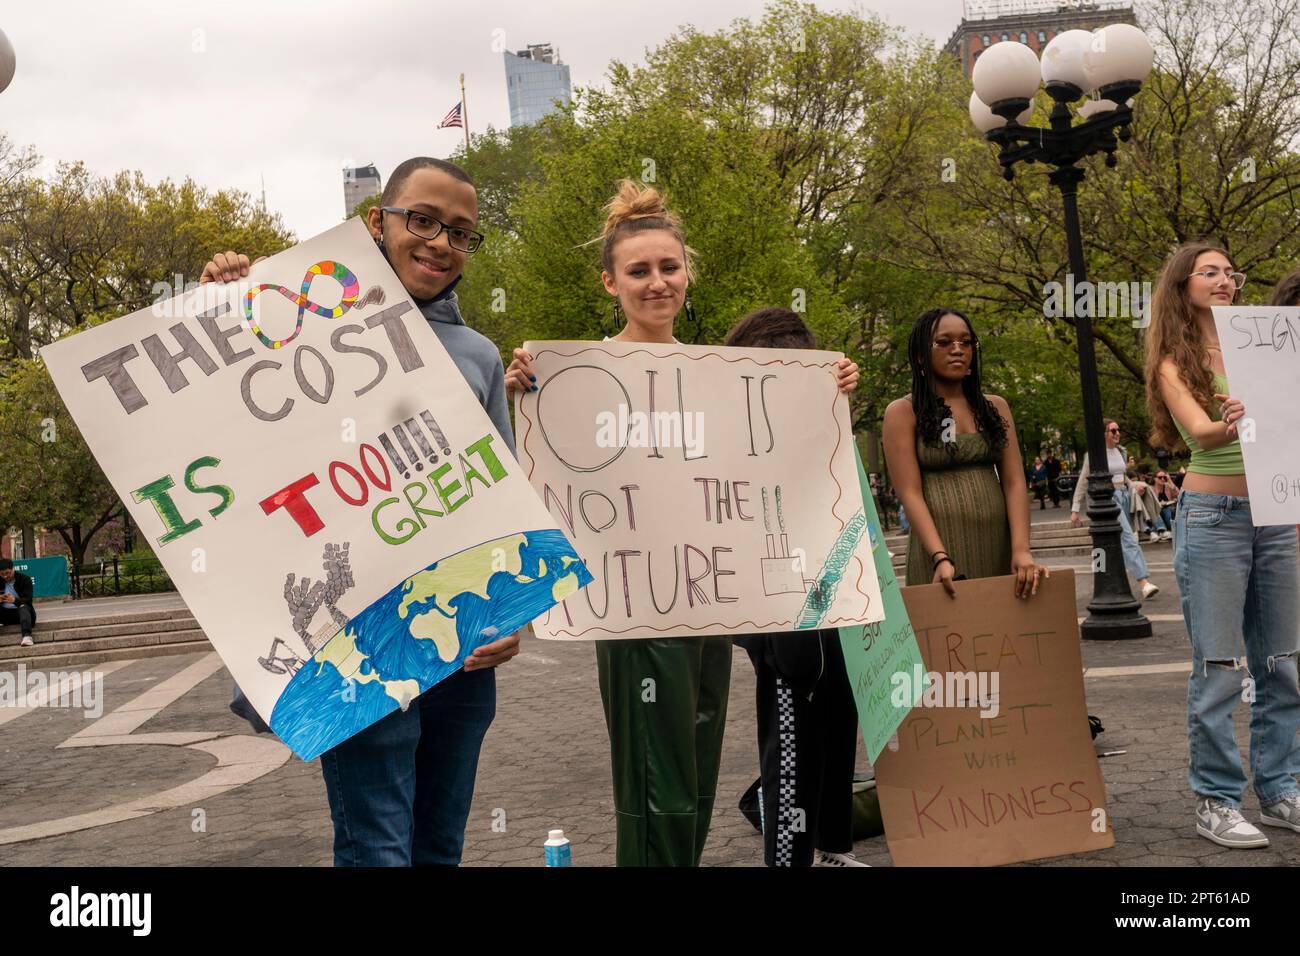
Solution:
(400, 790)
(1118, 468)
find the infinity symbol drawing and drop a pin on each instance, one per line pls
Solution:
(335, 270)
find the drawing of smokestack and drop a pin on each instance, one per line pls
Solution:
(780, 520)
(781, 574)
(767, 523)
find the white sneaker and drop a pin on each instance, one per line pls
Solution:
(1149, 590)
(1284, 813)
(26, 641)
(1224, 825)
(1153, 536)
(1166, 536)
(822, 858)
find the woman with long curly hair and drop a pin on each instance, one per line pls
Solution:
(1240, 582)
(955, 462)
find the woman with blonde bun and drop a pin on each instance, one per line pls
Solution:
(665, 754)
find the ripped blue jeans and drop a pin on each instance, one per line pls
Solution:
(1240, 587)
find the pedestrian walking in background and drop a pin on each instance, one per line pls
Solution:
(1134, 560)
(1053, 476)
(1039, 473)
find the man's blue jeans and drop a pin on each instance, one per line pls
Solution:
(400, 790)
(1240, 589)
(1134, 560)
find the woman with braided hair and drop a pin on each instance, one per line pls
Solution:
(955, 462)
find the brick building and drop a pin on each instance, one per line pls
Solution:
(1032, 22)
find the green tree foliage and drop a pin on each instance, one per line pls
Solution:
(48, 477)
(77, 250)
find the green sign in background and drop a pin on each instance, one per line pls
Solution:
(49, 575)
(873, 654)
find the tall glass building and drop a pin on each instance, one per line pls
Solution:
(535, 80)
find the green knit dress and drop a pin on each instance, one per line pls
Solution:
(964, 496)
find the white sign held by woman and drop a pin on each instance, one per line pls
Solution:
(709, 490)
(1261, 353)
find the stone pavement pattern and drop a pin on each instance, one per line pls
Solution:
(545, 764)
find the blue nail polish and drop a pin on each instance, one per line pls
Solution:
(532, 378)
(534, 388)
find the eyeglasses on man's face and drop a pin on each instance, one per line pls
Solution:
(427, 227)
(1213, 276)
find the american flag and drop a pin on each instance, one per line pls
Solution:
(453, 117)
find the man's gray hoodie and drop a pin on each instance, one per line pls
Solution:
(475, 356)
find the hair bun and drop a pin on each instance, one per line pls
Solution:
(633, 201)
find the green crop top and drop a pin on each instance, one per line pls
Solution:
(1225, 460)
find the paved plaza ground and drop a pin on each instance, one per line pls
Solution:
(545, 764)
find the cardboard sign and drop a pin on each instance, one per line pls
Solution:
(709, 490)
(1011, 774)
(875, 653)
(1259, 353)
(316, 476)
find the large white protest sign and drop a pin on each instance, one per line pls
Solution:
(1260, 354)
(709, 490)
(319, 481)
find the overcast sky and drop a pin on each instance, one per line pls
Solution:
(230, 91)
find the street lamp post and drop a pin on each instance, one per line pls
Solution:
(7, 62)
(1113, 62)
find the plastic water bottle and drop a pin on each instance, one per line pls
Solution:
(557, 849)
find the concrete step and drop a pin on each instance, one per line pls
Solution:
(75, 623)
(13, 654)
(72, 621)
(56, 632)
(63, 659)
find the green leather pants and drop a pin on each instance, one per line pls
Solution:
(666, 707)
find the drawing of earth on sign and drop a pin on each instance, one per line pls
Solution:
(420, 632)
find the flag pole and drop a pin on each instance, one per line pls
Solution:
(464, 112)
